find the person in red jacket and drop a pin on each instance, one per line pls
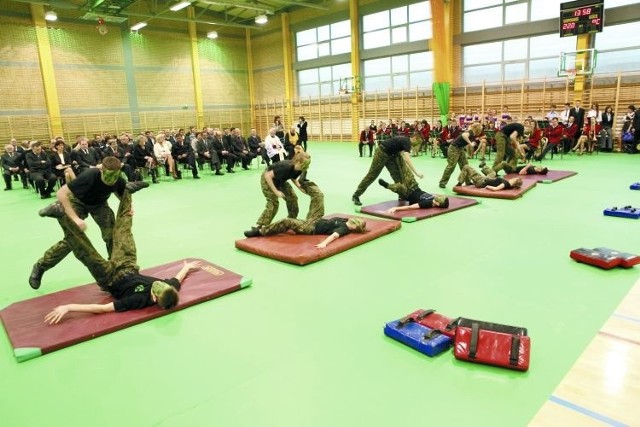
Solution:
(569, 134)
(553, 134)
(589, 137)
(366, 138)
(535, 135)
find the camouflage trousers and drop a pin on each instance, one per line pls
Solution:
(470, 175)
(101, 214)
(504, 151)
(271, 209)
(307, 226)
(123, 256)
(402, 190)
(455, 155)
(316, 204)
(508, 167)
(396, 166)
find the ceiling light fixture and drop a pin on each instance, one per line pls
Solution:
(50, 15)
(212, 35)
(261, 19)
(180, 5)
(137, 26)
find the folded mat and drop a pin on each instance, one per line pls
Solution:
(31, 337)
(380, 209)
(514, 193)
(551, 176)
(301, 250)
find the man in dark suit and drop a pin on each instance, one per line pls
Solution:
(206, 153)
(223, 151)
(577, 112)
(302, 132)
(115, 150)
(240, 148)
(183, 153)
(256, 146)
(12, 164)
(40, 172)
(84, 157)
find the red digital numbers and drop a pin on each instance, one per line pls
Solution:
(580, 12)
(568, 26)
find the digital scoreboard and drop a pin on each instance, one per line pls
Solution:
(581, 17)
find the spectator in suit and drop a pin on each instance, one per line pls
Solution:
(302, 132)
(606, 135)
(183, 153)
(85, 157)
(569, 134)
(206, 153)
(39, 165)
(578, 114)
(256, 146)
(240, 148)
(114, 149)
(12, 166)
(223, 151)
(61, 163)
(144, 158)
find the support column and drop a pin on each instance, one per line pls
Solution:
(288, 72)
(252, 91)
(46, 69)
(583, 42)
(356, 95)
(442, 47)
(195, 69)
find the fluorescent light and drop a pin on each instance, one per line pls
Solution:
(212, 35)
(179, 6)
(137, 26)
(261, 19)
(50, 15)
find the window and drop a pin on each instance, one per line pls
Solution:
(399, 25)
(399, 72)
(618, 48)
(327, 40)
(323, 81)
(529, 57)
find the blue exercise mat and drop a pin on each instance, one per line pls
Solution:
(626, 212)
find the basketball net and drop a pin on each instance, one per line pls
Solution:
(571, 74)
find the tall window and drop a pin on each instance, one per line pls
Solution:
(529, 57)
(483, 14)
(618, 48)
(327, 40)
(399, 72)
(399, 25)
(323, 81)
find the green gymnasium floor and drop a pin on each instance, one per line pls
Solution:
(304, 345)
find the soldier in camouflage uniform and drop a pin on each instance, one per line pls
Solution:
(508, 146)
(456, 154)
(487, 179)
(393, 154)
(275, 185)
(86, 195)
(119, 274)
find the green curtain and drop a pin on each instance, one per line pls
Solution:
(441, 90)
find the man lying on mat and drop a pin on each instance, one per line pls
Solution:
(489, 180)
(334, 228)
(527, 169)
(417, 198)
(119, 275)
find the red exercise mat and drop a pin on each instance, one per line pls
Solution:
(514, 193)
(31, 337)
(380, 209)
(300, 249)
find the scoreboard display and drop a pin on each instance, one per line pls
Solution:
(581, 17)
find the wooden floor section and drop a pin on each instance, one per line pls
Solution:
(603, 386)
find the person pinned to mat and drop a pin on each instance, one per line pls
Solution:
(86, 195)
(119, 275)
(275, 185)
(487, 179)
(333, 228)
(417, 198)
(393, 154)
(456, 154)
(528, 169)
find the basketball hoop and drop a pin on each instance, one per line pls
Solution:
(571, 74)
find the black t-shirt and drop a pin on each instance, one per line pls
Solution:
(531, 170)
(511, 127)
(396, 145)
(282, 172)
(422, 198)
(494, 182)
(460, 142)
(332, 225)
(134, 291)
(90, 190)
